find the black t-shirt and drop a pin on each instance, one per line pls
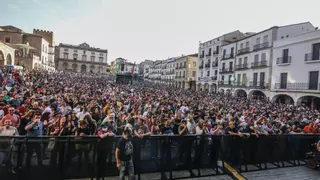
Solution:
(234, 130)
(125, 149)
(23, 124)
(83, 130)
(176, 129)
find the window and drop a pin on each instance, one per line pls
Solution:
(215, 72)
(92, 53)
(84, 52)
(222, 78)
(241, 46)
(257, 41)
(75, 51)
(184, 64)
(84, 57)
(100, 59)
(263, 57)
(247, 44)
(46, 49)
(208, 73)
(256, 58)
(193, 74)
(313, 80)
(316, 51)
(65, 49)
(224, 53)
(265, 38)
(240, 61)
(92, 58)
(201, 74)
(245, 60)
(101, 54)
(7, 39)
(232, 51)
(75, 56)
(184, 73)
(209, 51)
(65, 56)
(217, 49)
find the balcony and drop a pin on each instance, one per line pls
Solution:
(207, 65)
(286, 60)
(215, 53)
(223, 83)
(244, 50)
(259, 64)
(311, 57)
(227, 56)
(201, 66)
(257, 85)
(226, 70)
(215, 64)
(214, 78)
(208, 55)
(202, 56)
(241, 66)
(240, 84)
(260, 46)
(297, 86)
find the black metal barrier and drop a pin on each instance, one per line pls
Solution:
(90, 157)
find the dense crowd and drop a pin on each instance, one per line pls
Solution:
(58, 104)
(36, 103)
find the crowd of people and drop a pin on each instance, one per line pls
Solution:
(35, 103)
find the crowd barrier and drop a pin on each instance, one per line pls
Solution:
(72, 157)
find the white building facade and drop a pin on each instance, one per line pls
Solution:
(295, 70)
(81, 58)
(208, 60)
(254, 60)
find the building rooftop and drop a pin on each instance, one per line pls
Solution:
(84, 46)
(10, 28)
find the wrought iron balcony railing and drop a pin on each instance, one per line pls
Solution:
(298, 86)
(259, 64)
(284, 60)
(241, 66)
(260, 46)
(226, 70)
(257, 85)
(244, 50)
(311, 57)
(227, 56)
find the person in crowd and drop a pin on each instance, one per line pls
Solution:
(140, 129)
(123, 154)
(82, 148)
(34, 129)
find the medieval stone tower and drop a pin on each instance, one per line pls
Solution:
(47, 35)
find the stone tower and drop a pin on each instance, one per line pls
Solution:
(47, 35)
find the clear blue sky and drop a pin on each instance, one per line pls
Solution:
(152, 29)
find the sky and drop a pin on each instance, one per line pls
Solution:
(152, 29)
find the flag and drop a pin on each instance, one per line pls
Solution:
(118, 63)
(132, 70)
